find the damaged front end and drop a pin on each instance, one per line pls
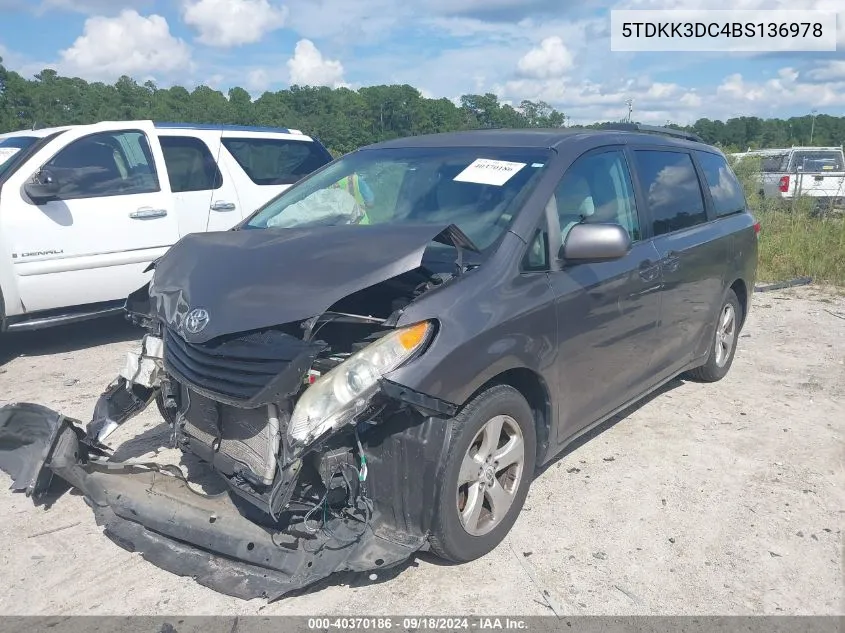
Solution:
(315, 445)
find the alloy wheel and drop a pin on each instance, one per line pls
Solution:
(490, 475)
(725, 335)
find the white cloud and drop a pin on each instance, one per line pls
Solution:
(773, 96)
(349, 23)
(129, 44)
(550, 59)
(308, 67)
(691, 101)
(829, 71)
(227, 23)
(216, 81)
(22, 64)
(257, 80)
(585, 101)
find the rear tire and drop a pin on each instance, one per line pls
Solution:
(723, 342)
(487, 472)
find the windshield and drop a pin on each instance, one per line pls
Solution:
(478, 189)
(9, 148)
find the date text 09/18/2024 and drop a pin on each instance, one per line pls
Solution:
(418, 623)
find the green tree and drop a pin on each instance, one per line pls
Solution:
(342, 118)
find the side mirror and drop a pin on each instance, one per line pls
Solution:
(595, 243)
(44, 188)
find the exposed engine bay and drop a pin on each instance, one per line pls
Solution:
(295, 415)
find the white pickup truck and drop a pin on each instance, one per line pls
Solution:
(84, 209)
(817, 172)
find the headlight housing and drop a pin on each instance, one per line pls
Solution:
(341, 394)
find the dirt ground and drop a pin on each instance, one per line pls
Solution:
(708, 499)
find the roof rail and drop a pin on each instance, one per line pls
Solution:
(653, 129)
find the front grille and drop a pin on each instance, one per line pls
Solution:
(236, 368)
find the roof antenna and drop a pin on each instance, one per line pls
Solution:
(34, 125)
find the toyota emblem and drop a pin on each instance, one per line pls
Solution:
(196, 320)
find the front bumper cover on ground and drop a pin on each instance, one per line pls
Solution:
(150, 509)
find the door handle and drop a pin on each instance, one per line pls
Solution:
(671, 261)
(648, 270)
(145, 213)
(222, 205)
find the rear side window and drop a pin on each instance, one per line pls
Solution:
(190, 165)
(670, 185)
(270, 161)
(817, 161)
(725, 189)
(105, 164)
(775, 163)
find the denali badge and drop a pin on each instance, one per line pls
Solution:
(196, 320)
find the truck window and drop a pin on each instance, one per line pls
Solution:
(673, 193)
(270, 161)
(9, 148)
(725, 190)
(818, 161)
(775, 163)
(105, 164)
(190, 165)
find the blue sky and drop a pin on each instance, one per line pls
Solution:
(553, 50)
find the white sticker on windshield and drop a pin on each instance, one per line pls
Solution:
(7, 152)
(489, 172)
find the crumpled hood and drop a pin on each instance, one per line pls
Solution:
(251, 279)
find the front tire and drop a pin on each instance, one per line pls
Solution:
(488, 470)
(723, 342)
(171, 420)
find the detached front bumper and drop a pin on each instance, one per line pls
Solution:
(150, 509)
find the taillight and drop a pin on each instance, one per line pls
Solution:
(784, 184)
(756, 228)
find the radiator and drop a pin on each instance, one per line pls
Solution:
(250, 437)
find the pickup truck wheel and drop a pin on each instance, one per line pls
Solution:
(723, 347)
(488, 470)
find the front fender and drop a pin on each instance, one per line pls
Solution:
(492, 320)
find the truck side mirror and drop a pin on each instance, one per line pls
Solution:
(44, 188)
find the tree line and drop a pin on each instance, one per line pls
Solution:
(343, 119)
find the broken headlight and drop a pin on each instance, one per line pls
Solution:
(341, 394)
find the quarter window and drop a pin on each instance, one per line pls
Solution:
(670, 185)
(725, 190)
(105, 164)
(537, 256)
(597, 188)
(190, 165)
(270, 161)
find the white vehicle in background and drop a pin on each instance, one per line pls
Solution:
(818, 172)
(84, 209)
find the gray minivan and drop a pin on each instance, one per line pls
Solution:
(373, 375)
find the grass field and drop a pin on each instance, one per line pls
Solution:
(793, 241)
